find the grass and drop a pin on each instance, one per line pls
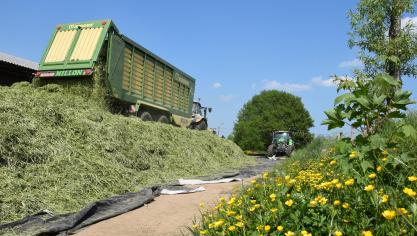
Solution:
(60, 149)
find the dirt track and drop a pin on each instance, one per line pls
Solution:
(167, 215)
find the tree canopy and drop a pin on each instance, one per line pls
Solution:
(385, 45)
(270, 111)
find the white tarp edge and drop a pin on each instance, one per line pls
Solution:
(197, 181)
(183, 191)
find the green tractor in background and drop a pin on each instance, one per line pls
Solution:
(282, 144)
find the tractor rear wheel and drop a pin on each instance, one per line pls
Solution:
(146, 116)
(163, 119)
(201, 126)
(270, 152)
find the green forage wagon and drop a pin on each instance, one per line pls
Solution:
(142, 82)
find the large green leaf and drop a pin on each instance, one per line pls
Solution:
(342, 97)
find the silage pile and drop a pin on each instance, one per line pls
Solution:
(60, 151)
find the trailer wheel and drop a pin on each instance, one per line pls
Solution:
(163, 119)
(145, 116)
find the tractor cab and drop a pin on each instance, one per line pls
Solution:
(282, 137)
(199, 116)
(282, 144)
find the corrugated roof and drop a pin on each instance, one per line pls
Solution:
(18, 61)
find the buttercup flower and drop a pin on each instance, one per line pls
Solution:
(267, 228)
(203, 232)
(409, 192)
(353, 154)
(367, 233)
(384, 198)
(289, 233)
(280, 228)
(379, 168)
(349, 182)
(333, 162)
(369, 188)
(372, 176)
(232, 228)
(239, 224)
(389, 214)
(346, 205)
(412, 178)
(337, 203)
(289, 202)
(338, 233)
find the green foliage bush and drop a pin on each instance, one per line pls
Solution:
(270, 111)
(60, 150)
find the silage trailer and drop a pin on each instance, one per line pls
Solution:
(142, 82)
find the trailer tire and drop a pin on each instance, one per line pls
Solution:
(202, 125)
(163, 119)
(146, 116)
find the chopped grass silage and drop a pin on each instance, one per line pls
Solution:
(60, 151)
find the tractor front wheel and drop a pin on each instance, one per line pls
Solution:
(270, 152)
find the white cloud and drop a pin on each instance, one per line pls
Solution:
(409, 20)
(318, 80)
(289, 87)
(351, 63)
(217, 85)
(226, 98)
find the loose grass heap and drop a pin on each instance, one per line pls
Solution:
(60, 149)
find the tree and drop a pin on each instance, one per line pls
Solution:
(270, 111)
(384, 45)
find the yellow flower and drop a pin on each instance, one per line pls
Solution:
(389, 214)
(346, 205)
(280, 228)
(259, 227)
(231, 201)
(353, 154)
(323, 201)
(289, 233)
(253, 201)
(231, 213)
(203, 232)
(338, 233)
(412, 178)
(289, 202)
(287, 177)
(367, 233)
(339, 185)
(222, 199)
(333, 162)
(267, 228)
(409, 192)
(218, 223)
(337, 203)
(273, 195)
(313, 203)
(201, 204)
(211, 225)
(372, 176)
(257, 206)
(273, 210)
(252, 209)
(265, 175)
(238, 217)
(239, 224)
(349, 182)
(384, 198)
(402, 211)
(232, 228)
(195, 226)
(385, 152)
(305, 233)
(379, 168)
(384, 159)
(253, 181)
(369, 188)
(335, 181)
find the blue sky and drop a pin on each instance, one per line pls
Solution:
(234, 49)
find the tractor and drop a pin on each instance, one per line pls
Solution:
(282, 144)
